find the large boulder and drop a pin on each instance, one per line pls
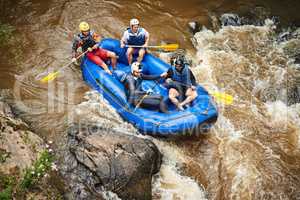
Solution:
(97, 160)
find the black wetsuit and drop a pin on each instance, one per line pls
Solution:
(136, 95)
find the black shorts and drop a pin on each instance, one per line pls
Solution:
(179, 87)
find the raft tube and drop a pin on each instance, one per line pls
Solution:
(198, 117)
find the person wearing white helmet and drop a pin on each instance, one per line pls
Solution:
(135, 94)
(135, 35)
(88, 41)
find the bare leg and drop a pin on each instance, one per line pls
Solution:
(173, 94)
(97, 60)
(129, 55)
(113, 58)
(105, 67)
(142, 52)
(191, 95)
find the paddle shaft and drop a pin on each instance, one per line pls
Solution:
(137, 46)
(183, 84)
(53, 75)
(67, 65)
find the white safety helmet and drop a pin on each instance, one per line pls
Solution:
(135, 67)
(134, 22)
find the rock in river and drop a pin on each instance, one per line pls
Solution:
(97, 160)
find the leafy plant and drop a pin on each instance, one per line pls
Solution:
(33, 174)
(7, 183)
(6, 194)
(18, 187)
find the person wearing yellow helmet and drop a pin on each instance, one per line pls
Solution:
(88, 40)
(84, 26)
(135, 35)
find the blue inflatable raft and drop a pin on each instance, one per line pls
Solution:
(198, 117)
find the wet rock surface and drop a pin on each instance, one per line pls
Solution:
(96, 159)
(230, 20)
(194, 27)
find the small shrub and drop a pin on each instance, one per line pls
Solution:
(6, 184)
(6, 194)
(33, 174)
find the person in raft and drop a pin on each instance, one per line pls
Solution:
(137, 36)
(88, 40)
(181, 83)
(135, 94)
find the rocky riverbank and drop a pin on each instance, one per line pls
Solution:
(91, 162)
(25, 160)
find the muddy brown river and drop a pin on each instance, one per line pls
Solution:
(253, 151)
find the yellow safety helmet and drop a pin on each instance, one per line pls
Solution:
(83, 26)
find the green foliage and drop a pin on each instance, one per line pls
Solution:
(6, 194)
(18, 187)
(6, 31)
(6, 184)
(33, 174)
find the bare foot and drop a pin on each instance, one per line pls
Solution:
(108, 71)
(180, 107)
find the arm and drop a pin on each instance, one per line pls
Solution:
(166, 74)
(169, 73)
(187, 80)
(193, 79)
(75, 46)
(130, 83)
(123, 40)
(150, 77)
(147, 38)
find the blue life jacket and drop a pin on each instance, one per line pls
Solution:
(138, 38)
(185, 76)
(87, 41)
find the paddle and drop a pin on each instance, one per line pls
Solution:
(165, 47)
(53, 75)
(219, 96)
(222, 97)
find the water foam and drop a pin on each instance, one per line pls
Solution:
(252, 136)
(169, 183)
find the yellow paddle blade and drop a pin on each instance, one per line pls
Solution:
(169, 47)
(50, 77)
(222, 97)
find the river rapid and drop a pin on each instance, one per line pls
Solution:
(252, 152)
